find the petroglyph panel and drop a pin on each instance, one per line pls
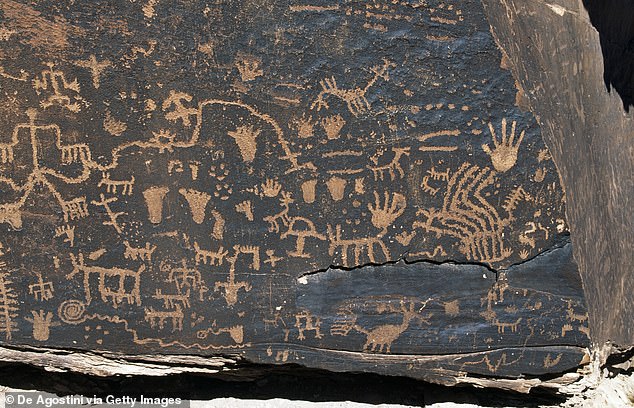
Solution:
(180, 176)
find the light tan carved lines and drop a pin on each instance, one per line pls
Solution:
(56, 82)
(157, 318)
(504, 154)
(355, 99)
(246, 208)
(96, 68)
(154, 200)
(383, 216)
(75, 208)
(305, 322)
(41, 290)
(66, 231)
(427, 136)
(392, 168)
(188, 278)
(380, 338)
(249, 67)
(119, 294)
(139, 254)
(468, 216)
(112, 221)
(8, 307)
(208, 257)
(112, 186)
(177, 100)
(197, 201)
(235, 332)
(230, 286)
(42, 322)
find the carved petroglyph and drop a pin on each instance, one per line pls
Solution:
(358, 245)
(245, 137)
(139, 254)
(235, 332)
(197, 201)
(96, 68)
(249, 67)
(55, 81)
(8, 307)
(154, 200)
(468, 216)
(230, 286)
(157, 318)
(301, 228)
(41, 290)
(207, 257)
(112, 186)
(449, 133)
(332, 126)
(116, 295)
(355, 99)
(380, 338)
(246, 208)
(105, 203)
(392, 168)
(504, 153)
(384, 215)
(305, 322)
(336, 187)
(42, 323)
(186, 278)
(67, 232)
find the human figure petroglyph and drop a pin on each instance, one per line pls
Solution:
(230, 286)
(112, 186)
(41, 290)
(305, 322)
(186, 278)
(55, 81)
(392, 168)
(96, 68)
(118, 295)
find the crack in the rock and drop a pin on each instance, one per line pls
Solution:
(403, 259)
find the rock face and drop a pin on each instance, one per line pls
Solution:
(351, 186)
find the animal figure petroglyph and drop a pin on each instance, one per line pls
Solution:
(138, 254)
(113, 185)
(158, 317)
(359, 246)
(106, 275)
(208, 257)
(392, 168)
